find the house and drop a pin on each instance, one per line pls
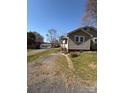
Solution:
(83, 38)
(45, 45)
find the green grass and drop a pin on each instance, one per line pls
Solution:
(85, 65)
(42, 54)
(85, 70)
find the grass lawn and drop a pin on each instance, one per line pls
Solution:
(85, 66)
(42, 54)
(28, 50)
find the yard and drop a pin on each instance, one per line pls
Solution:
(84, 70)
(50, 69)
(85, 66)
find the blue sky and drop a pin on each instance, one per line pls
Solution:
(62, 15)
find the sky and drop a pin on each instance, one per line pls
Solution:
(61, 15)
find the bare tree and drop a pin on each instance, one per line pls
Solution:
(52, 36)
(90, 17)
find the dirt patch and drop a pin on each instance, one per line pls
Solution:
(93, 66)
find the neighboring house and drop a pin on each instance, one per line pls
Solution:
(83, 38)
(45, 45)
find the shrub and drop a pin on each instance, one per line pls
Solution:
(74, 54)
(31, 46)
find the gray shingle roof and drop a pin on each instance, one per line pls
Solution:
(92, 31)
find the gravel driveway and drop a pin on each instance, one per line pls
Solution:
(43, 77)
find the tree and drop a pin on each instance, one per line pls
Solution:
(34, 40)
(52, 36)
(39, 38)
(30, 40)
(90, 17)
(31, 35)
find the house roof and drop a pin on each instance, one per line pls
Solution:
(91, 31)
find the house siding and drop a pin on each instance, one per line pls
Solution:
(83, 46)
(72, 45)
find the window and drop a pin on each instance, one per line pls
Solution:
(95, 40)
(79, 39)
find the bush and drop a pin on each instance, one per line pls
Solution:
(74, 54)
(31, 46)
